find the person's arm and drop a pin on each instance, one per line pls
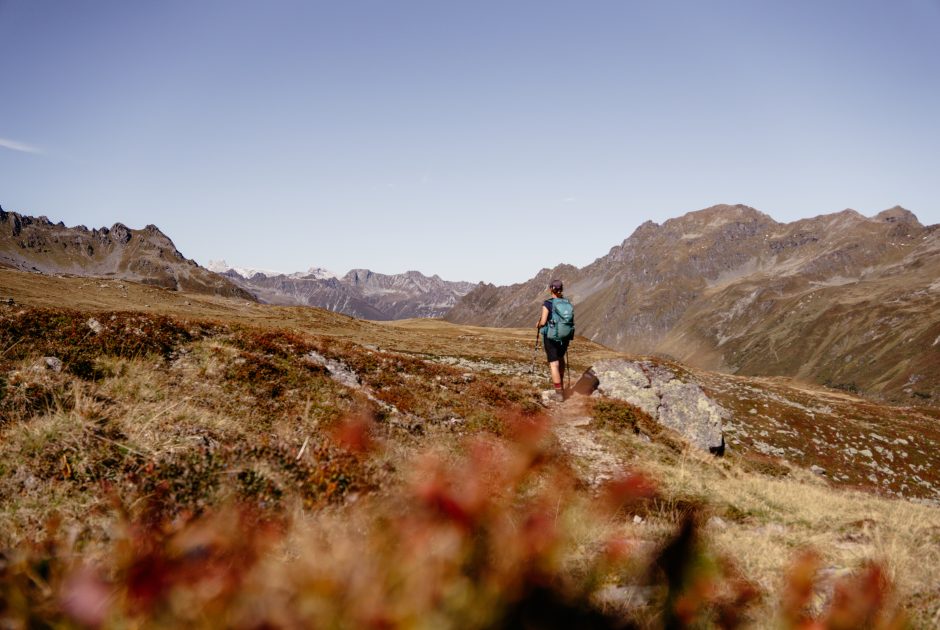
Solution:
(538, 327)
(544, 318)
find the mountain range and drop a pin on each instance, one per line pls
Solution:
(360, 293)
(220, 266)
(839, 299)
(148, 256)
(845, 300)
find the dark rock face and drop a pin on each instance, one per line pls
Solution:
(120, 233)
(682, 406)
(729, 288)
(146, 256)
(12, 221)
(360, 293)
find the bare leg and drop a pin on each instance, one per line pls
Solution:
(556, 368)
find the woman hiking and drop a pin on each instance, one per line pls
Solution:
(556, 327)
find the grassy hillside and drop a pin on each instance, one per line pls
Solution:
(195, 461)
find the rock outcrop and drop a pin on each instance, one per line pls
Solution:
(675, 403)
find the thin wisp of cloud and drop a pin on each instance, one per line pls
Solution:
(13, 145)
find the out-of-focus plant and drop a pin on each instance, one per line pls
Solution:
(492, 537)
(863, 599)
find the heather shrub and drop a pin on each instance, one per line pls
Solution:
(213, 476)
(619, 416)
(490, 538)
(431, 391)
(30, 391)
(79, 339)
(260, 475)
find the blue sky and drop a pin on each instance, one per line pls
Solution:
(476, 140)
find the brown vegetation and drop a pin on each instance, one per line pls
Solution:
(209, 472)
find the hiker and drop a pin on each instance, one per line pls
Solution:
(556, 327)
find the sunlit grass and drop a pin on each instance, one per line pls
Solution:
(218, 477)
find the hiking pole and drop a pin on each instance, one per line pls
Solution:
(568, 367)
(535, 353)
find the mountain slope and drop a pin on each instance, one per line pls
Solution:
(148, 255)
(839, 299)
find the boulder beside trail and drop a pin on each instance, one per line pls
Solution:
(679, 405)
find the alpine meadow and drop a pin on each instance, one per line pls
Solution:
(539, 315)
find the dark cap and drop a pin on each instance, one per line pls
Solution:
(556, 285)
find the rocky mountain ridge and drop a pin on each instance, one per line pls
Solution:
(220, 266)
(359, 293)
(840, 299)
(148, 256)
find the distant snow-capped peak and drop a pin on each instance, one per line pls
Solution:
(220, 266)
(317, 272)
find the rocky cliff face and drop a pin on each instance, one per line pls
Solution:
(147, 256)
(841, 299)
(360, 293)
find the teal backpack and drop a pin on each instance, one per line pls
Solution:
(560, 326)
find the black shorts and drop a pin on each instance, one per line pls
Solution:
(554, 350)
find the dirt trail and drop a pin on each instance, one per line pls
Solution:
(571, 422)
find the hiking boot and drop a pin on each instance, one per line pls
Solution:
(557, 396)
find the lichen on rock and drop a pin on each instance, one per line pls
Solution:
(678, 405)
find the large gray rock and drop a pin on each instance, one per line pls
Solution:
(337, 369)
(627, 381)
(681, 406)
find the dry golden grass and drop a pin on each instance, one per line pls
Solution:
(432, 337)
(763, 520)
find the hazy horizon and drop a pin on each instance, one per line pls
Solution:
(479, 141)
